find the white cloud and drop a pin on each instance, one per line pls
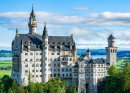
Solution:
(77, 25)
(81, 8)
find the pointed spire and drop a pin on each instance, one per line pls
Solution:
(45, 33)
(32, 15)
(16, 31)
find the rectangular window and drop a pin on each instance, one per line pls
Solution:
(49, 64)
(36, 53)
(26, 59)
(36, 75)
(63, 53)
(31, 53)
(36, 70)
(30, 59)
(68, 53)
(26, 71)
(58, 53)
(40, 53)
(40, 75)
(52, 53)
(33, 70)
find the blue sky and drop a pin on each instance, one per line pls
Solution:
(91, 21)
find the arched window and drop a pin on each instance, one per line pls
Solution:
(37, 65)
(63, 75)
(63, 59)
(113, 50)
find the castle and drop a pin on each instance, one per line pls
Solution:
(46, 57)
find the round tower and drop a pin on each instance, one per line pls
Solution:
(32, 24)
(45, 55)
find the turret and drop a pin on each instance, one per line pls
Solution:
(45, 33)
(45, 54)
(32, 24)
(111, 41)
(88, 52)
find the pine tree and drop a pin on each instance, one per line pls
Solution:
(125, 79)
(14, 86)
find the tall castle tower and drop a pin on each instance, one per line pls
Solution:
(111, 50)
(45, 54)
(32, 24)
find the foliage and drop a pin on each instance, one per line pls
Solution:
(112, 70)
(116, 82)
(55, 85)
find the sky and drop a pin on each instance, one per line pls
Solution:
(90, 21)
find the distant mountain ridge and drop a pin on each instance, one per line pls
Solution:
(5, 53)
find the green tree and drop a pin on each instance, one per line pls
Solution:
(22, 90)
(125, 79)
(2, 88)
(14, 86)
(10, 90)
(112, 70)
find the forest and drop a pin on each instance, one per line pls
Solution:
(117, 81)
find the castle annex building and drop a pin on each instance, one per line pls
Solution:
(46, 57)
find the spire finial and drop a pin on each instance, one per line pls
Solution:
(32, 6)
(45, 23)
(16, 31)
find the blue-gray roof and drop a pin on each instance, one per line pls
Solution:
(36, 41)
(111, 37)
(93, 61)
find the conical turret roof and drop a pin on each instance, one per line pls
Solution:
(32, 15)
(45, 33)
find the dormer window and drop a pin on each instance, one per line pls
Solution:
(49, 42)
(54, 42)
(59, 42)
(27, 39)
(64, 43)
(22, 39)
(26, 42)
(31, 42)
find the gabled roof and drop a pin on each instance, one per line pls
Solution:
(92, 61)
(111, 37)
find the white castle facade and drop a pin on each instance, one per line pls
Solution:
(46, 57)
